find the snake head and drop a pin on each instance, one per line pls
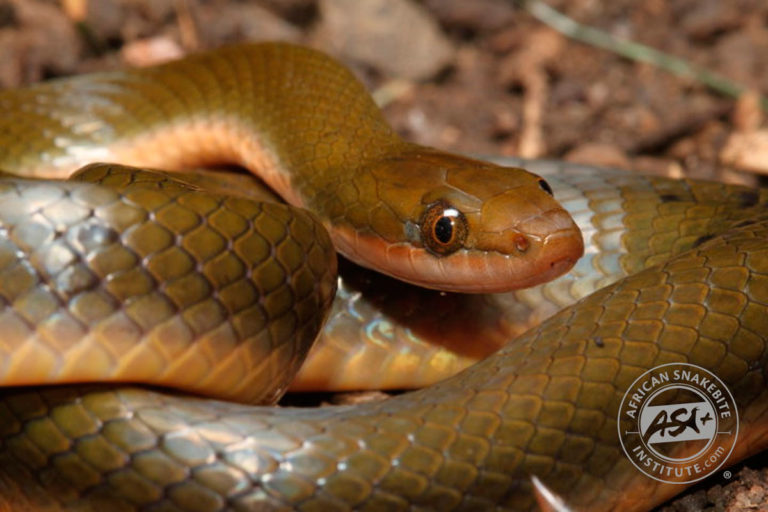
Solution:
(456, 224)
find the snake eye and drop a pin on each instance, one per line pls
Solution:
(543, 185)
(443, 228)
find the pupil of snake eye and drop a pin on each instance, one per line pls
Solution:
(444, 229)
(545, 187)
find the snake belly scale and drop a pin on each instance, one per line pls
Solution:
(544, 405)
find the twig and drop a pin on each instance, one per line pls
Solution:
(632, 50)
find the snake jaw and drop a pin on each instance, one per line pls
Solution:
(464, 271)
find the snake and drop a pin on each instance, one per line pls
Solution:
(166, 284)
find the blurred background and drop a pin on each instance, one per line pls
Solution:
(481, 76)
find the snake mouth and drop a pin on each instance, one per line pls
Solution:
(464, 271)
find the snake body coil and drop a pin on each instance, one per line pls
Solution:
(546, 404)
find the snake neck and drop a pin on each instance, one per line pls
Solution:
(306, 126)
(293, 115)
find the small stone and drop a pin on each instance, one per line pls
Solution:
(151, 51)
(44, 41)
(710, 17)
(747, 150)
(365, 32)
(237, 22)
(477, 15)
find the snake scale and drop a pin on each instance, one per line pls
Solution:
(694, 255)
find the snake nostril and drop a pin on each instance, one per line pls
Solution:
(521, 243)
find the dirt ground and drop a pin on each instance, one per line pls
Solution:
(480, 76)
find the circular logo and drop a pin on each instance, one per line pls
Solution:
(678, 423)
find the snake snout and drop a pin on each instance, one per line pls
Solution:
(559, 243)
(539, 241)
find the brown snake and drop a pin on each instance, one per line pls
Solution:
(545, 405)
